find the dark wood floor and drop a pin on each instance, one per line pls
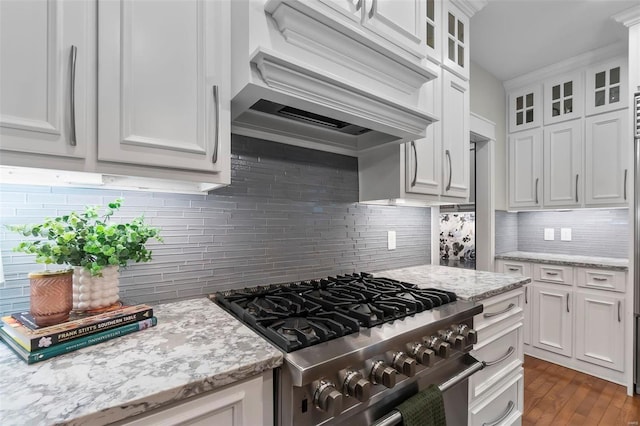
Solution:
(555, 395)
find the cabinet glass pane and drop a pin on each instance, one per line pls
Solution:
(600, 79)
(614, 94)
(555, 92)
(555, 110)
(568, 105)
(614, 75)
(600, 97)
(452, 50)
(568, 88)
(461, 31)
(461, 56)
(431, 40)
(519, 118)
(529, 116)
(431, 9)
(452, 25)
(519, 104)
(530, 99)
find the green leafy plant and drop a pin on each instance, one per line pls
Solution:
(87, 239)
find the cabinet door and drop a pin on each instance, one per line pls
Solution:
(525, 169)
(563, 164)
(606, 86)
(455, 39)
(563, 98)
(526, 329)
(525, 108)
(552, 319)
(607, 153)
(455, 136)
(433, 30)
(45, 52)
(164, 83)
(600, 329)
(399, 22)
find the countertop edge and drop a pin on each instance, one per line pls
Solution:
(482, 296)
(563, 262)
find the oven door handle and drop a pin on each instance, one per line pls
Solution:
(394, 417)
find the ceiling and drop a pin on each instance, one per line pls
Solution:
(510, 38)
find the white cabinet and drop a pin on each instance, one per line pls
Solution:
(163, 84)
(247, 403)
(455, 39)
(600, 329)
(433, 30)
(607, 150)
(606, 86)
(525, 108)
(563, 98)
(552, 318)
(521, 269)
(455, 136)
(45, 52)
(525, 169)
(563, 164)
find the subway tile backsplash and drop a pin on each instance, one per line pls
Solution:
(506, 231)
(289, 214)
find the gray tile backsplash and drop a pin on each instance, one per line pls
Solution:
(289, 214)
(595, 232)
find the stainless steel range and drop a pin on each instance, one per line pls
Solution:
(356, 346)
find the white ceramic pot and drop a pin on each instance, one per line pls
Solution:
(91, 292)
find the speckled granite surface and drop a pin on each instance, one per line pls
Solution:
(466, 283)
(196, 347)
(569, 260)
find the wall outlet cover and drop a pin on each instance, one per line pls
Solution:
(565, 234)
(549, 234)
(391, 240)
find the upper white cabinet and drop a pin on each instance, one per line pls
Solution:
(455, 136)
(606, 87)
(45, 49)
(525, 169)
(455, 39)
(163, 84)
(607, 175)
(525, 108)
(563, 164)
(563, 98)
(433, 29)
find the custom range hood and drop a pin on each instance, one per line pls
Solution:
(322, 75)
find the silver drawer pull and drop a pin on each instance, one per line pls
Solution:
(499, 420)
(599, 279)
(72, 97)
(216, 135)
(514, 269)
(493, 314)
(510, 351)
(553, 274)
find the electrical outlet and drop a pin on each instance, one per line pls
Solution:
(565, 234)
(549, 234)
(391, 240)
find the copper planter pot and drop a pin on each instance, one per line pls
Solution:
(51, 296)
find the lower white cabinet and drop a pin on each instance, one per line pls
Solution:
(552, 318)
(246, 403)
(521, 269)
(503, 406)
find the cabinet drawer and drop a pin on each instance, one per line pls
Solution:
(553, 274)
(601, 279)
(499, 312)
(503, 407)
(514, 267)
(502, 353)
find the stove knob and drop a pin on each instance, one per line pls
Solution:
(441, 348)
(469, 333)
(458, 341)
(327, 398)
(357, 386)
(423, 354)
(404, 364)
(383, 374)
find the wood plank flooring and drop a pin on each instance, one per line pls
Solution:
(555, 395)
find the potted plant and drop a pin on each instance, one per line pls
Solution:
(94, 246)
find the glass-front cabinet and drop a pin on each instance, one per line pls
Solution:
(455, 55)
(563, 98)
(433, 39)
(606, 87)
(525, 108)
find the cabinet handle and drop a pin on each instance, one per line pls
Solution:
(510, 351)
(567, 302)
(448, 154)
(526, 295)
(493, 314)
(553, 274)
(415, 163)
(625, 184)
(599, 279)
(216, 103)
(500, 419)
(537, 179)
(514, 269)
(577, 188)
(619, 315)
(72, 96)
(359, 5)
(374, 4)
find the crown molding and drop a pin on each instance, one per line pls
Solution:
(628, 17)
(470, 7)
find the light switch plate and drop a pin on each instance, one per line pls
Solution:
(549, 235)
(565, 234)
(391, 240)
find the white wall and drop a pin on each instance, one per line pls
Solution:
(488, 100)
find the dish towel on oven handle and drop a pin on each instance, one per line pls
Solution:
(426, 408)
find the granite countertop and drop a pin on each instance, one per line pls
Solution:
(196, 347)
(613, 263)
(466, 283)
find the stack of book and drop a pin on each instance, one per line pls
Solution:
(33, 344)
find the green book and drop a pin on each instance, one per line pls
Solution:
(75, 344)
